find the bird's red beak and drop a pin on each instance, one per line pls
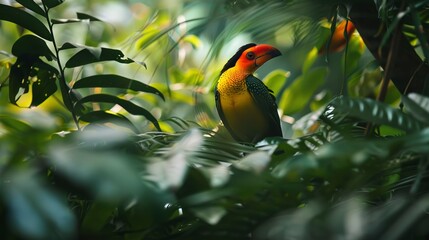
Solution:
(264, 52)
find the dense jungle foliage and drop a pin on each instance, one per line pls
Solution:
(109, 130)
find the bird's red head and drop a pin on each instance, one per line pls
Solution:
(251, 56)
(254, 57)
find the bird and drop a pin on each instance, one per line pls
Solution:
(246, 106)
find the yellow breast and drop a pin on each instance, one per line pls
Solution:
(243, 116)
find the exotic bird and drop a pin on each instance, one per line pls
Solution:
(245, 105)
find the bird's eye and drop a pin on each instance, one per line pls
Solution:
(250, 55)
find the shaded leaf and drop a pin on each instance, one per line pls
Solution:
(33, 46)
(418, 106)
(81, 17)
(34, 211)
(211, 215)
(127, 105)
(52, 3)
(97, 216)
(371, 111)
(105, 117)
(110, 176)
(115, 81)
(92, 55)
(84, 16)
(30, 4)
(24, 20)
(32, 72)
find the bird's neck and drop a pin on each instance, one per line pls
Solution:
(232, 81)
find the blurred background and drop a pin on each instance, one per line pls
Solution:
(184, 44)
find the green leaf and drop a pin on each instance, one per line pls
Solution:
(30, 4)
(255, 162)
(84, 16)
(34, 211)
(81, 17)
(92, 55)
(97, 216)
(25, 20)
(297, 96)
(115, 81)
(52, 3)
(371, 111)
(32, 72)
(275, 80)
(33, 46)
(171, 172)
(127, 105)
(311, 58)
(106, 117)
(418, 106)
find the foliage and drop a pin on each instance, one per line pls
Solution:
(78, 162)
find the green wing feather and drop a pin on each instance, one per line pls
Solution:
(266, 101)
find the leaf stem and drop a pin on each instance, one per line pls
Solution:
(64, 87)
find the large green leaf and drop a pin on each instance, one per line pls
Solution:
(115, 81)
(30, 45)
(24, 20)
(33, 6)
(371, 111)
(30, 72)
(275, 80)
(298, 95)
(89, 55)
(127, 105)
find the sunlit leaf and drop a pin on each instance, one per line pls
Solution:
(115, 81)
(298, 95)
(275, 80)
(30, 72)
(24, 20)
(309, 61)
